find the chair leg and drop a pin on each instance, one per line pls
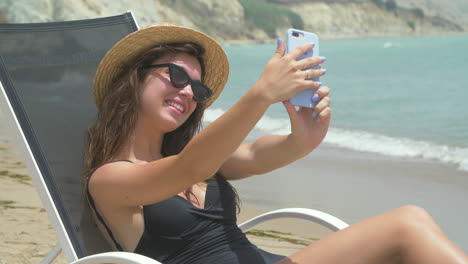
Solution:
(53, 253)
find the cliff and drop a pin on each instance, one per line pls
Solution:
(262, 20)
(353, 19)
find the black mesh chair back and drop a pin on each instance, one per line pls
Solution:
(46, 72)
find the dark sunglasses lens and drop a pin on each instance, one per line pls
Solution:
(200, 92)
(179, 77)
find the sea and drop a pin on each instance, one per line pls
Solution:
(402, 97)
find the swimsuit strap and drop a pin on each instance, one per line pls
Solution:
(98, 215)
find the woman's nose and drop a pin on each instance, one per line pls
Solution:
(186, 91)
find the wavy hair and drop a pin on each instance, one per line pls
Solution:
(117, 115)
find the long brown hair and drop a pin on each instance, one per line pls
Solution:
(118, 112)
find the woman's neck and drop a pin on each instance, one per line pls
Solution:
(144, 144)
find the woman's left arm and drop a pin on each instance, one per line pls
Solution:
(308, 129)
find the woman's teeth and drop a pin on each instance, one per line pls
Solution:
(177, 106)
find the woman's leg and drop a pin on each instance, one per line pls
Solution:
(404, 235)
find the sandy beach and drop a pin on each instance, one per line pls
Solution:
(348, 184)
(25, 231)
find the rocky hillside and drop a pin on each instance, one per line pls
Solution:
(352, 19)
(454, 10)
(262, 20)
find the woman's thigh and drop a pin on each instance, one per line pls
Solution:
(374, 240)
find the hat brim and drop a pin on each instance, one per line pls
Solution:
(214, 59)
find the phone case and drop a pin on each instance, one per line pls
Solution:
(294, 38)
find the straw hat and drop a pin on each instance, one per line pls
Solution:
(130, 47)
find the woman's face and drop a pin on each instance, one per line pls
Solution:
(161, 103)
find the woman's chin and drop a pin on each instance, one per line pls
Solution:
(172, 124)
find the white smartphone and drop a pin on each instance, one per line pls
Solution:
(294, 38)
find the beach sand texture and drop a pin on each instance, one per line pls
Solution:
(25, 231)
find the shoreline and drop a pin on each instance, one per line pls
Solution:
(235, 42)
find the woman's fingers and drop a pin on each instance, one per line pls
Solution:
(323, 106)
(280, 48)
(284, 77)
(322, 110)
(325, 115)
(291, 110)
(299, 51)
(324, 103)
(309, 62)
(323, 91)
(311, 73)
(304, 63)
(307, 83)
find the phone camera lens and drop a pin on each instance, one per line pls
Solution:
(295, 34)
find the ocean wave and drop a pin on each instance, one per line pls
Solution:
(266, 125)
(398, 147)
(361, 140)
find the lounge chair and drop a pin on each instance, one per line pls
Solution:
(46, 72)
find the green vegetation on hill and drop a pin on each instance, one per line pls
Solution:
(418, 12)
(389, 5)
(268, 16)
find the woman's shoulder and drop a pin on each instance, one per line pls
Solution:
(109, 166)
(105, 172)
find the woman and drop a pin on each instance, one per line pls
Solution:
(160, 188)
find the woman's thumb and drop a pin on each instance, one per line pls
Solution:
(291, 110)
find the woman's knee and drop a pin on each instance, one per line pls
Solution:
(411, 218)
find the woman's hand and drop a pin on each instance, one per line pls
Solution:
(284, 76)
(310, 125)
(270, 152)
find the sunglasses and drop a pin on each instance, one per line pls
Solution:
(180, 79)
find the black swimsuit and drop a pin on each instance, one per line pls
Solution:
(178, 232)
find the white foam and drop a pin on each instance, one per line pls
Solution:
(398, 147)
(211, 115)
(267, 124)
(275, 126)
(368, 142)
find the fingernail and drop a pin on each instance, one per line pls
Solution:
(319, 83)
(324, 71)
(323, 58)
(315, 98)
(318, 120)
(312, 43)
(278, 42)
(314, 114)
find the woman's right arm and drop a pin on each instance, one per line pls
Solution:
(130, 184)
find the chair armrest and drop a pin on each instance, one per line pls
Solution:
(315, 216)
(116, 257)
